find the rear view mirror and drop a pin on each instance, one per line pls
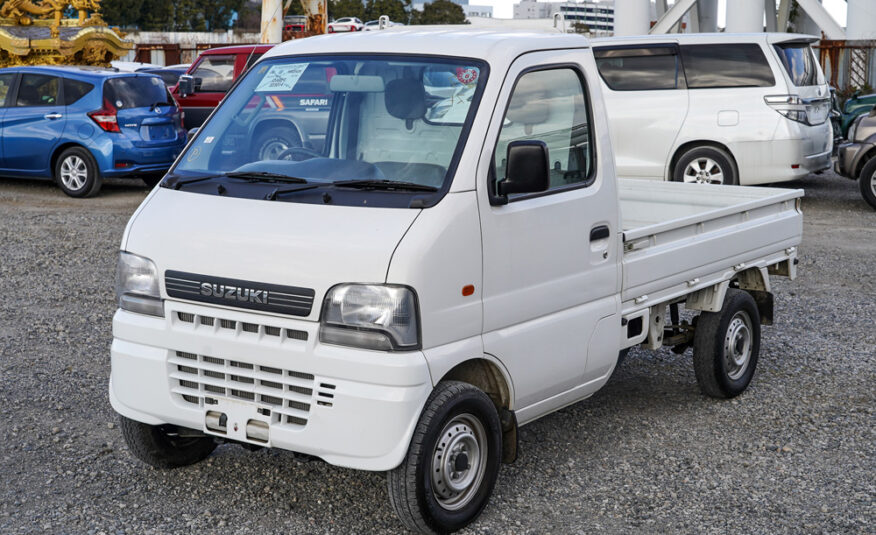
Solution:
(527, 168)
(186, 85)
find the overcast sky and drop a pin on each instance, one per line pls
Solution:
(504, 9)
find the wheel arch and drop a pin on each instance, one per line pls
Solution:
(688, 145)
(56, 153)
(274, 122)
(862, 160)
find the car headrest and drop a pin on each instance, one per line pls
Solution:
(405, 98)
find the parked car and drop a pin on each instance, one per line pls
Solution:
(346, 24)
(294, 23)
(284, 118)
(855, 106)
(207, 80)
(132, 66)
(856, 159)
(372, 25)
(717, 108)
(440, 272)
(170, 75)
(81, 125)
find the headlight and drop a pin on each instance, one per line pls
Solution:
(371, 316)
(137, 285)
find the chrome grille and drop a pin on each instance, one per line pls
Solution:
(287, 394)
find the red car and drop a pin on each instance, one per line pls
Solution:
(210, 77)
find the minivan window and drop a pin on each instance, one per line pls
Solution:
(726, 65)
(639, 69)
(550, 106)
(38, 90)
(215, 73)
(5, 83)
(135, 92)
(75, 90)
(799, 63)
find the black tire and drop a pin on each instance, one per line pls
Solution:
(76, 173)
(162, 446)
(425, 505)
(727, 346)
(708, 160)
(867, 182)
(274, 141)
(151, 180)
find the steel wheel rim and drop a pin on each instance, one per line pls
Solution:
(273, 149)
(873, 184)
(704, 170)
(738, 345)
(74, 172)
(459, 462)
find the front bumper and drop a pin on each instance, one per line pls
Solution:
(848, 158)
(352, 408)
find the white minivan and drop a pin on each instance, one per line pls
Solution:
(716, 108)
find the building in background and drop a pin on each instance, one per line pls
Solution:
(597, 16)
(471, 10)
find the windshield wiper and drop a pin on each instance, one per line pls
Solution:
(388, 185)
(266, 176)
(155, 105)
(255, 176)
(277, 191)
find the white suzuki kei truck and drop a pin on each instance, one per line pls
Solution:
(449, 259)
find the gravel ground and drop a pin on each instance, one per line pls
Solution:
(647, 454)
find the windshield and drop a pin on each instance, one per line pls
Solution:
(328, 119)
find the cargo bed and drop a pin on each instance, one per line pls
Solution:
(679, 238)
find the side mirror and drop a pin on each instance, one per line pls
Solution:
(186, 85)
(191, 133)
(527, 168)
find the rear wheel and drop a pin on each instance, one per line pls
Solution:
(727, 346)
(165, 446)
(76, 173)
(705, 165)
(867, 181)
(273, 142)
(448, 474)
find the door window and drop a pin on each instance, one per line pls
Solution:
(5, 84)
(214, 74)
(639, 69)
(726, 65)
(551, 106)
(38, 90)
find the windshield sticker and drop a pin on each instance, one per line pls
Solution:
(467, 75)
(281, 77)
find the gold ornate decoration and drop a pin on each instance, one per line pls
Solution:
(35, 32)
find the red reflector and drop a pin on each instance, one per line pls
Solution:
(795, 166)
(120, 165)
(467, 290)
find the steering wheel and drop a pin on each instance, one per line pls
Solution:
(298, 154)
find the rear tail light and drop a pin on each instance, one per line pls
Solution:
(106, 117)
(807, 111)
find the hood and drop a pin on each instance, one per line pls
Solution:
(271, 244)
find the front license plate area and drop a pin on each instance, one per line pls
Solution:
(238, 420)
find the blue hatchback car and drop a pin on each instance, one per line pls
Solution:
(80, 125)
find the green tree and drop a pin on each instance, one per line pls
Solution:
(440, 12)
(396, 10)
(219, 13)
(158, 15)
(124, 13)
(346, 8)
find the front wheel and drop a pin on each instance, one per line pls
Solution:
(448, 474)
(867, 181)
(165, 446)
(705, 165)
(727, 346)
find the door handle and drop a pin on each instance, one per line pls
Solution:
(52, 116)
(601, 232)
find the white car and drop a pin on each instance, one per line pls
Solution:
(716, 108)
(346, 24)
(406, 289)
(373, 25)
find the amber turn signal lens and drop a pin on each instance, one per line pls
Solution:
(467, 290)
